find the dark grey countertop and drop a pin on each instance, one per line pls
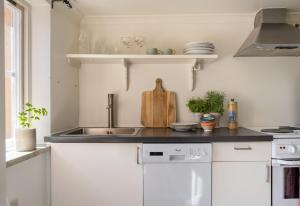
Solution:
(165, 135)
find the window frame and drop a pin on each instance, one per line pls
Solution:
(24, 85)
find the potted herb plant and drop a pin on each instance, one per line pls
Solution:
(26, 134)
(197, 106)
(215, 104)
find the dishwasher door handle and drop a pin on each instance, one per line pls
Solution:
(268, 171)
(139, 155)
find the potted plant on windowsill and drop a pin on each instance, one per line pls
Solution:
(215, 104)
(198, 107)
(26, 134)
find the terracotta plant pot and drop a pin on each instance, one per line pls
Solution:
(25, 139)
(208, 122)
(208, 126)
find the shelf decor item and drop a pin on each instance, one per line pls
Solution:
(140, 41)
(26, 134)
(153, 51)
(191, 48)
(169, 51)
(127, 41)
(84, 43)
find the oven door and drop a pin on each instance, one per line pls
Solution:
(285, 182)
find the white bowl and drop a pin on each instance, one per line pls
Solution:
(183, 126)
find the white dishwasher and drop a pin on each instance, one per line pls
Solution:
(177, 174)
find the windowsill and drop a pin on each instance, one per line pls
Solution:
(14, 157)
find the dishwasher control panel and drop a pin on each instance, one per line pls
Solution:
(163, 153)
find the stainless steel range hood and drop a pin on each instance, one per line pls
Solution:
(271, 36)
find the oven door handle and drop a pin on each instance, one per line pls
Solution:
(286, 162)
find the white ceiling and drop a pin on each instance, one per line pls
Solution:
(148, 7)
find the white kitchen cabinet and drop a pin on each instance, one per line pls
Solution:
(242, 151)
(104, 174)
(241, 184)
(240, 181)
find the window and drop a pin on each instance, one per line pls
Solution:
(14, 18)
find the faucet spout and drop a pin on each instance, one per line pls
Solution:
(110, 108)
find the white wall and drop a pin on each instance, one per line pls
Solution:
(2, 116)
(64, 78)
(28, 182)
(267, 89)
(54, 81)
(40, 64)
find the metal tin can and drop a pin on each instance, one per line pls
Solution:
(232, 114)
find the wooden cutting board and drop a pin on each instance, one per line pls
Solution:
(158, 107)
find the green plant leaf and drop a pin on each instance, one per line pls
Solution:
(197, 105)
(215, 101)
(44, 112)
(22, 113)
(29, 114)
(28, 104)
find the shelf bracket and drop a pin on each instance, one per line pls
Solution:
(125, 64)
(191, 75)
(196, 66)
(74, 62)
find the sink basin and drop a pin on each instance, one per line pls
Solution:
(97, 131)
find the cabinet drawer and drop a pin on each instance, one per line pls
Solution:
(242, 151)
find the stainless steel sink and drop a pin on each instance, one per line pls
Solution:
(99, 131)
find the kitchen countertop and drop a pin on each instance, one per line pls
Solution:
(165, 135)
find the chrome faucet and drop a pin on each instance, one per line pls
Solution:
(110, 108)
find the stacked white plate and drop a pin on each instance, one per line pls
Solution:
(199, 48)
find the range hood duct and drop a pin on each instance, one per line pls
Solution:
(271, 36)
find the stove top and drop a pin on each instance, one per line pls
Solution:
(281, 132)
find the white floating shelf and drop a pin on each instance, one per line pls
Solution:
(197, 61)
(139, 59)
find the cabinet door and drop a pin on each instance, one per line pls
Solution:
(241, 184)
(96, 175)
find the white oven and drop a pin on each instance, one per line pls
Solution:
(285, 182)
(285, 172)
(285, 165)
